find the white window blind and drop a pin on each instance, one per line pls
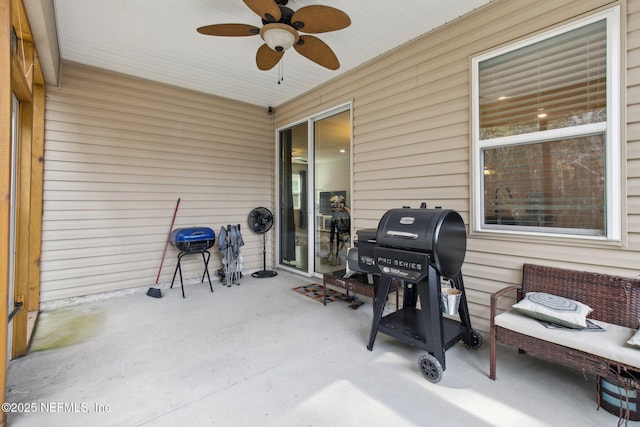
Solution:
(555, 83)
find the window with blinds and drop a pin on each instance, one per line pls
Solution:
(543, 117)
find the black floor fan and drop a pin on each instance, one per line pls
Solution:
(261, 221)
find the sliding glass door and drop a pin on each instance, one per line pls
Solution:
(293, 190)
(315, 193)
(332, 178)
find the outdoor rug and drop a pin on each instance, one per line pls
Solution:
(316, 292)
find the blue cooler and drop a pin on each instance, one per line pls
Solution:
(193, 239)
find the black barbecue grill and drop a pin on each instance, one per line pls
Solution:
(419, 247)
(193, 240)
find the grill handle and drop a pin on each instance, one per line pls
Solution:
(395, 233)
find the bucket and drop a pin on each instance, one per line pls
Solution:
(616, 400)
(450, 300)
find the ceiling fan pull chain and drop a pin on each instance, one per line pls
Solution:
(281, 71)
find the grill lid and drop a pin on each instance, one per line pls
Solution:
(193, 239)
(439, 232)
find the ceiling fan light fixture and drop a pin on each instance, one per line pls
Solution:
(279, 37)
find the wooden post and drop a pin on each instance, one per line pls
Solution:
(23, 220)
(37, 179)
(5, 186)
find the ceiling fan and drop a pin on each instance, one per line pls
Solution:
(280, 31)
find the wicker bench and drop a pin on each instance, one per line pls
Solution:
(616, 307)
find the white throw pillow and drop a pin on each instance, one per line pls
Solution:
(554, 309)
(635, 339)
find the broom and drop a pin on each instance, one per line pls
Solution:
(155, 292)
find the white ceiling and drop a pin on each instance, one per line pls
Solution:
(157, 40)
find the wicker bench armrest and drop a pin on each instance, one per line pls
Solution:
(494, 300)
(492, 328)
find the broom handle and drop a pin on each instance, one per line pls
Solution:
(167, 242)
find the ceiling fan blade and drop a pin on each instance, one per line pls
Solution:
(319, 19)
(229, 30)
(265, 9)
(267, 58)
(317, 51)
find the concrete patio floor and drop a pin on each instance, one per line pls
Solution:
(260, 354)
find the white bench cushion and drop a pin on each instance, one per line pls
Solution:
(610, 344)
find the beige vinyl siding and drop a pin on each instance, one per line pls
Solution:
(411, 138)
(119, 152)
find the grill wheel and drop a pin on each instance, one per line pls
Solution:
(430, 367)
(473, 341)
